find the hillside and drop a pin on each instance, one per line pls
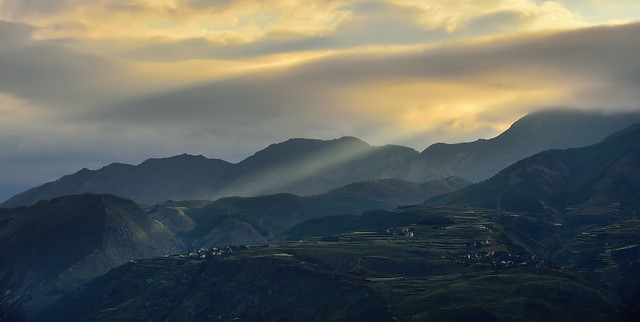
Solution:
(537, 132)
(56, 245)
(399, 192)
(254, 220)
(309, 167)
(557, 180)
(417, 263)
(592, 196)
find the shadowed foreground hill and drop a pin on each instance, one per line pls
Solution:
(53, 246)
(310, 167)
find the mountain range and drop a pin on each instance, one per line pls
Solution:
(53, 246)
(307, 166)
(552, 235)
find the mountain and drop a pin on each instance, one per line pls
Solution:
(309, 167)
(254, 220)
(536, 132)
(53, 246)
(414, 263)
(154, 180)
(591, 195)
(557, 180)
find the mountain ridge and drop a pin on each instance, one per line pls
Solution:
(560, 178)
(312, 166)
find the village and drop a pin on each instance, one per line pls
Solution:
(497, 259)
(203, 253)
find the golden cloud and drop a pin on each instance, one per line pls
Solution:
(457, 14)
(237, 22)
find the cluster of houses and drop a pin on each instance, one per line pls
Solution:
(509, 260)
(203, 253)
(403, 232)
(498, 260)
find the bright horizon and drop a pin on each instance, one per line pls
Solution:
(87, 83)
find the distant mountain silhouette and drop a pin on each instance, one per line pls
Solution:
(309, 167)
(179, 177)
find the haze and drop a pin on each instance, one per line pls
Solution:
(87, 83)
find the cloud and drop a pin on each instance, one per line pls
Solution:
(147, 30)
(85, 90)
(436, 93)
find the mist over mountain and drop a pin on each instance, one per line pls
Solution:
(308, 167)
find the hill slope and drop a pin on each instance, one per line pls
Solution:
(607, 172)
(399, 192)
(56, 245)
(592, 196)
(53, 246)
(309, 167)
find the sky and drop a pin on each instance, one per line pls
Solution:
(85, 83)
